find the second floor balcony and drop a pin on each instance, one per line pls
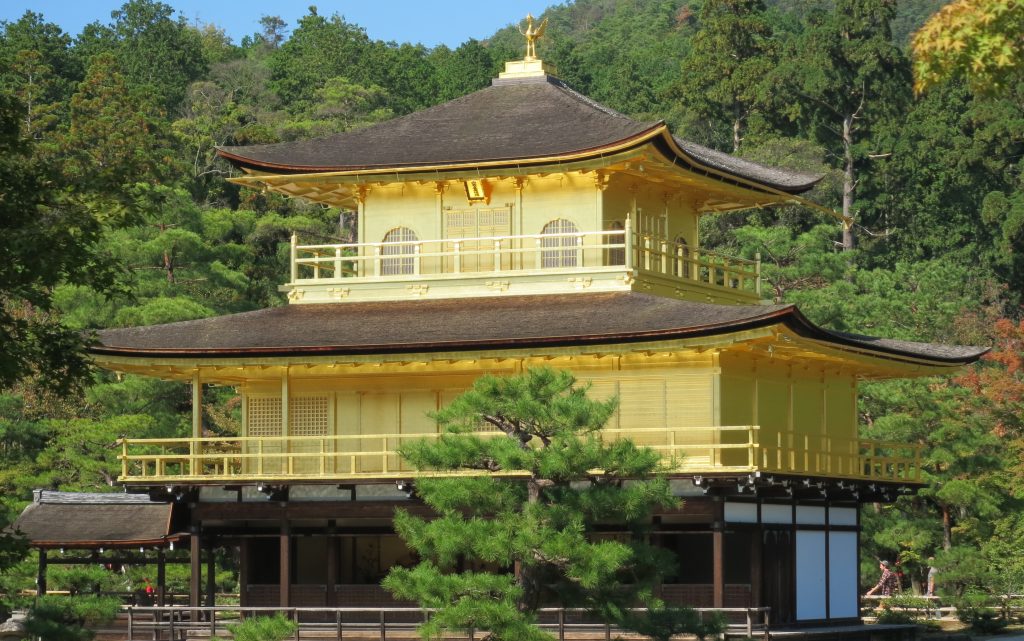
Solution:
(375, 457)
(562, 261)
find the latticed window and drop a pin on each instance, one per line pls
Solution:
(403, 239)
(560, 250)
(308, 416)
(263, 416)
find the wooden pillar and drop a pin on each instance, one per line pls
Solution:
(41, 577)
(243, 571)
(284, 401)
(332, 564)
(197, 406)
(195, 448)
(718, 554)
(756, 568)
(195, 578)
(211, 575)
(286, 565)
(161, 576)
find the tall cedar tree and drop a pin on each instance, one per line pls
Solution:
(727, 73)
(847, 76)
(529, 502)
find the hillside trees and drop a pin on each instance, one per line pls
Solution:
(726, 74)
(157, 53)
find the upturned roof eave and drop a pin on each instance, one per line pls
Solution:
(300, 171)
(789, 317)
(657, 132)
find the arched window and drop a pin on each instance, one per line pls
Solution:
(403, 239)
(559, 251)
(680, 260)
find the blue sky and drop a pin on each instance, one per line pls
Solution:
(449, 22)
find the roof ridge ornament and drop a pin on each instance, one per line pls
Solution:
(530, 67)
(532, 35)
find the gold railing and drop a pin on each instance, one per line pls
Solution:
(609, 250)
(689, 450)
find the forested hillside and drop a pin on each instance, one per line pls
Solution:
(114, 211)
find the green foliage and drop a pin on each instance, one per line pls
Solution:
(976, 610)
(34, 216)
(267, 628)
(58, 618)
(726, 76)
(540, 520)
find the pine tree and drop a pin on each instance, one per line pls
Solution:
(526, 505)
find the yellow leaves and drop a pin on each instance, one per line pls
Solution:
(982, 39)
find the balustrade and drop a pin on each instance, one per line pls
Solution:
(685, 450)
(531, 254)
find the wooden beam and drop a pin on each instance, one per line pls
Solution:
(243, 572)
(41, 577)
(286, 566)
(197, 406)
(195, 577)
(161, 577)
(756, 568)
(211, 575)
(332, 563)
(718, 555)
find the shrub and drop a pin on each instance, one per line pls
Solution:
(57, 618)
(275, 628)
(973, 609)
(890, 616)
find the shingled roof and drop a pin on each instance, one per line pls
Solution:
(481, 324)
(84, 520)
(512, 120)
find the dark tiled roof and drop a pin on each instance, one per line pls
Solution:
(478, 323)
(66, 519)
(516, 120)
(506, 121)
(783, 179)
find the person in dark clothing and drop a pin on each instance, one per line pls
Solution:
(887, 583)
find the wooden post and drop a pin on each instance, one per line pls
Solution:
(718, 554)
(197, 423)
(286, 566)
(195, 578)
(243, 572)
(41, 577)
(161, 576)
(211, 576)
(294, 257)
(627, 239)
(286, 459)
(756, 568)
(332, 564)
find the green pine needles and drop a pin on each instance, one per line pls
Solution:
(547, 515)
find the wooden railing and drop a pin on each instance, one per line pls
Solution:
(609, 250)
(688, 450)
(173, 623)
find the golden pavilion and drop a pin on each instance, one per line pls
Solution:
(523, 225)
